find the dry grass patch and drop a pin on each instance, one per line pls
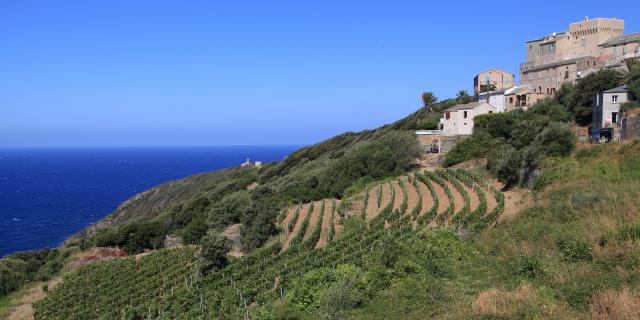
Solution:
(523, 302)
(617, 305)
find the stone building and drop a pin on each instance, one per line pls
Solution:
(563, 57)
(492, 79)
(458, 120)
(606, 110)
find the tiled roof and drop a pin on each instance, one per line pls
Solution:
(634, 37)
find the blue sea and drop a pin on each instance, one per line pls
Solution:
(49, 194)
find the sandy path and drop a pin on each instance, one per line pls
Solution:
(296, 228)
(372, 203)
(326, 216)
(399, 195)
(315, 217)
(412, 195)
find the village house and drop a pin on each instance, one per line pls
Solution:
(606, 112)
(494, 98)
(458, 120)
(492, 79)
(617, 50)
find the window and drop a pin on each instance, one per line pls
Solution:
(511, 100)
(584, 42)
(614, 98)
(566, 74)
(614, 117)
(447, 115)
(465, 115)
(490, 111)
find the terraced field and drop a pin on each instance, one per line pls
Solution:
(442, 198)
(166, 284)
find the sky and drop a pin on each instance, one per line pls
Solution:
(164, 73)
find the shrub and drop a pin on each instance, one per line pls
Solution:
(213, 252)
(580, 103)
(475, 146)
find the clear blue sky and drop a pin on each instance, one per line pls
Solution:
(128, 73)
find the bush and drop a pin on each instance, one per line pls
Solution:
(195, 230)
(475, 146)
(505, 164)
(213, 252)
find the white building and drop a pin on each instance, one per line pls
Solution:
(606, 108)
(494, 98)
(458, 120)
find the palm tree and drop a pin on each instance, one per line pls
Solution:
(428, 98)
(463, 96)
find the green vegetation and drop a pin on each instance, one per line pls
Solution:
(21, 268)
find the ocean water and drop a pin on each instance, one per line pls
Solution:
(47, 194)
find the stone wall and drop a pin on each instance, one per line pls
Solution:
(630, 128)
(445, 143)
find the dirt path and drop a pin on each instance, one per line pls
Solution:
(315, 216)
(372, 203)
(24, 309)
(399, 195)
(326, 217)
(296, 228)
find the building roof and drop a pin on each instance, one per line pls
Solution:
(628, 38)
(467, 106)
(620, 89)
(516, 90)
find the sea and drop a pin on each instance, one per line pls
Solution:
(48, 194)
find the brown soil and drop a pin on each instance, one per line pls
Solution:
(290, 213)
(514, 201)
(399, 195)
(252, 186)
(233, 233)
(372, 204)
(94, 255)
(474, 200)
(296, 228)
(458, 200)
(356, 205)
(315, 216)
(427, 198)
(412, 195)
(443, 200)
(336, 220)
(491, 199)
(326, 217)
(386, 196)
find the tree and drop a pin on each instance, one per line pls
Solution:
(213, 252)
(428, 98)
(463, 96)
(587, 88)
(632, 77)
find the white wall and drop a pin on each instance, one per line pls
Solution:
(495, 99)
(458, 124)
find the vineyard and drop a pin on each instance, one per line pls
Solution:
(166, 284)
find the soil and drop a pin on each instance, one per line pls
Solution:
(372, 203)
(326, 217)
(399, 195)
(474, 200)
(458, 200)
(315, 215)
(296, 228)
(443, 201)
(336, 221)
(514, 201)
(412, 195)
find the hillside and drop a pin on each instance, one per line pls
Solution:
(573, 253)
